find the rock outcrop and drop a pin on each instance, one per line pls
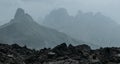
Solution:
(61, 54)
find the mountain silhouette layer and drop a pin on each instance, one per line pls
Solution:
(24, 30)
(89, 27)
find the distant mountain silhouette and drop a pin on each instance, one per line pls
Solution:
(24, 30)
(58, 19)
(95, 28)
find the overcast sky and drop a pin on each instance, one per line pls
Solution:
(39, 8)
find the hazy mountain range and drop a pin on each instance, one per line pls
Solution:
(58, 27)
(89, 27)
(24, 30)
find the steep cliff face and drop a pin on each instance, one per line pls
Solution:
(25, 31)
(61, 54)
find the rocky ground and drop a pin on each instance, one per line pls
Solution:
(61, 54)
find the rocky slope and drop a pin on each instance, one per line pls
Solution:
(23, 30)
(61, 54)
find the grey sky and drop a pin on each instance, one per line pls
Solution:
(39, 8)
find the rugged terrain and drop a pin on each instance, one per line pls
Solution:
(61, 54)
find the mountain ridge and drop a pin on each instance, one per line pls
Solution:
(89, 27)
(25, 31)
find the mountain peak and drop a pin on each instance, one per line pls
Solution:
(21, 16)
(19, 13)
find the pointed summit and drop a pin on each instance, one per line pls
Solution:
(19, 13)
(21, 16)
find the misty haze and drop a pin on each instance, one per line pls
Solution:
(59, 32)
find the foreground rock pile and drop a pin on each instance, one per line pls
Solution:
(61, 54)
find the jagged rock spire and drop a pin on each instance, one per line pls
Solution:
(19, 13)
